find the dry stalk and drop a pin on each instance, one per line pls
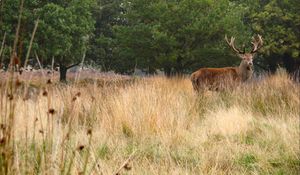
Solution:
(2, 45)
(7, 149)
(31, 41)
(125, 163)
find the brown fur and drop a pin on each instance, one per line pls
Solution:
(214, 77)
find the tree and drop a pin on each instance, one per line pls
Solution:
(64, 32)
(279, 23)
(8, 23)
(106, 14)
(169, 34)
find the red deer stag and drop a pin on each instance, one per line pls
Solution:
(217, 77)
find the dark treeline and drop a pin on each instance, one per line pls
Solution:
(176, 36)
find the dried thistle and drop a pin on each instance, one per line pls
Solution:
(78, 94)
(18, 83)
(10, 96)
(45, 93)
(26, 97)
(89, 132)
(2, 126)
(127, 167)
(2, 141)
(51, 111)
(67, 136)
(74, 98)
(49, 81)
(80, 147)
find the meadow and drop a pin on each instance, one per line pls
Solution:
(153, 125)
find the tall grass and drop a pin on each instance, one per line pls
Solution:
(154, 126)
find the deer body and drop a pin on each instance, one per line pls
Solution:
(217, 77)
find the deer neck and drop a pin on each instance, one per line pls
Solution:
(244, 71)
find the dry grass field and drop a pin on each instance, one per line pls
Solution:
(149, 126)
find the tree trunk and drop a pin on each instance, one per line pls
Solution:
(292, 66)
(272, 63)
(63, 73)
(167, 71)
(289, 63)
(179, 66)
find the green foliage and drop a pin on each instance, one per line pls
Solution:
(247, 160)
(65, 30)
(176, 36)
(103, 151)
(278, 22)
(8, 24)
(107, 15)
(169, 34)
(127, 131)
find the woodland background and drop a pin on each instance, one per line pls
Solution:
(175, 36)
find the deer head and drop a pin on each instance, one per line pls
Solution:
(247, 58)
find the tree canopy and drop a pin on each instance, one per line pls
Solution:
(176, 36)
(279, 23)
(63, 32)
(173, 35)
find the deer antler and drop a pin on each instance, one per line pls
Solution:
(232, 46)
(257, 43)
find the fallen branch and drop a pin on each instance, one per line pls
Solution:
(73, 65)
